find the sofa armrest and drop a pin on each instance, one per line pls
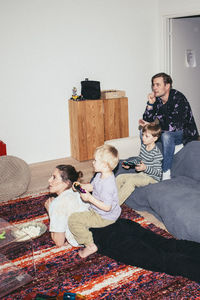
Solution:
(127, 147)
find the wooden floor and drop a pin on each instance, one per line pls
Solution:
(41, 172)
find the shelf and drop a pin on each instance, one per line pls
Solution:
(94, 121)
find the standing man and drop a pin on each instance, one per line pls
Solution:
(171, 109)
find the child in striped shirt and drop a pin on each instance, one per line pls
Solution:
(148, 165)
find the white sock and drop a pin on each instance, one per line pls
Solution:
(166, 175)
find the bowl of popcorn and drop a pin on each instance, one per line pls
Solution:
(28, 231)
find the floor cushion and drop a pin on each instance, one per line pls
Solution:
(14, 177)
(175, 202)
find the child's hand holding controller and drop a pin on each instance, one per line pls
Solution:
(131, 164)
(85, 195)
(140, 167)
(77, 187)
(126, 165)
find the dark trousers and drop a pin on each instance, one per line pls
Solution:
(129, 243)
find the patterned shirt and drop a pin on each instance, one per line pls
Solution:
(174, 115)
(153, 161)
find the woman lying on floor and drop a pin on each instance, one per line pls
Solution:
(125, 241)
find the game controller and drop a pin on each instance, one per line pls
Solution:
(78, 188)
(132, 163)
(128, 163)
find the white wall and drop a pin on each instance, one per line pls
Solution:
(49, 46)
(174, 7)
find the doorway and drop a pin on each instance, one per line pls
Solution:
(184, 59)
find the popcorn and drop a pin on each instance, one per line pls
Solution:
(27, 231)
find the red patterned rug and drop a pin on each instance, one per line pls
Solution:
(58, 270)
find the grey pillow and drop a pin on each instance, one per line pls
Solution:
(176, 202)
(187, 161)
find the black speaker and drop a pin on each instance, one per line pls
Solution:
(90, 89)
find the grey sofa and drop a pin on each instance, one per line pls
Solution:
(176, 202)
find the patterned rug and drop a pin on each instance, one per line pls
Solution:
(59, 270)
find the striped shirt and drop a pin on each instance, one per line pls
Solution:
(153, 161)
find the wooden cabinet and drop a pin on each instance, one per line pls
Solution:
(94, 121)
(115, 118)
(86, 128)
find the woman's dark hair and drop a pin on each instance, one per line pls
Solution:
(69, 173)
(166, 78)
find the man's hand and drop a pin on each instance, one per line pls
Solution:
(151, 98)
(142, 122)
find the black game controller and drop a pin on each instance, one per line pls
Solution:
(78, 188)
(128, 163)
(136, 161)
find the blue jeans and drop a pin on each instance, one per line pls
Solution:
(169, 140)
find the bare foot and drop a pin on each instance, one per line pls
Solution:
(88, 250)
(66, 244)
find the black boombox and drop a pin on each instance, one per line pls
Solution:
(90, 89)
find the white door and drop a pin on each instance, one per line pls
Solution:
(184, 61)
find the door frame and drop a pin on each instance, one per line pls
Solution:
(165, 38)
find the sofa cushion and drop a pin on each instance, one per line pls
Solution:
(127, 146)
(187, 161)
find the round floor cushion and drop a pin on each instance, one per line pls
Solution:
(14, 177)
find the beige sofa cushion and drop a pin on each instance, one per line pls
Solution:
(130, 146)
(127, 147)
